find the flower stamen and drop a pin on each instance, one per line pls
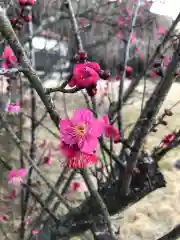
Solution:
(80, 130)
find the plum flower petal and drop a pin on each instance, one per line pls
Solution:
(76, 158)
(82, 115)
(79, 138)
(16, 177)
(21, 172)
(9, 58)
(68, 150)
(67, 132)
(88, 146)
(93, 65)
(82, 160)
(96, 128)
(168, 139)
(13, 109)
(85, 75)
(110, 130)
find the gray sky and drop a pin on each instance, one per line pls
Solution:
(169, 8)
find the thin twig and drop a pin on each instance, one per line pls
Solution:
(86, 175)
(126, 58)
(9, 34)
(75, 25)
(17, 142)
(43, 205)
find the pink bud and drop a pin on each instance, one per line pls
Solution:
(35, 232)
(121, 22)
(27, 18)
(22, 2)
(128, 69)
(47, 160)
(117, 77)
(43, 144)
(153, 74)
(30, 2)
(4, 218)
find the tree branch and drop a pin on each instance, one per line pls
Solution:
(147, 116)
(9, 34)
(158, 50)
(32, 163)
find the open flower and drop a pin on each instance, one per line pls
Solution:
(110, 130)
(16, 177)
(82, 130)
(13, 109)
(79, 138)
(85, 75)
(9, 58)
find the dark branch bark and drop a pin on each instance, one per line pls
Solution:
(82, 218)
(172, 235)
(158, 50)
(144, 123)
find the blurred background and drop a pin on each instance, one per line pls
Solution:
(104, 28)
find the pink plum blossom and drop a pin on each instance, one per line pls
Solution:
(82, 130)
(85, 75)
(110, 130)
(16, 177)
(9, 58)
(14, 109)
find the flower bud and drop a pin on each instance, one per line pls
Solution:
(22, 2)
(27, 18)
(82, 55)
(168, 112)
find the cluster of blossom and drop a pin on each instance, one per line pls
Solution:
(25, 5)
(79, 134)
(78, 142)
(9, 59)
(86, 74)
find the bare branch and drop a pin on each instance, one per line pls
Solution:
(9, 34)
